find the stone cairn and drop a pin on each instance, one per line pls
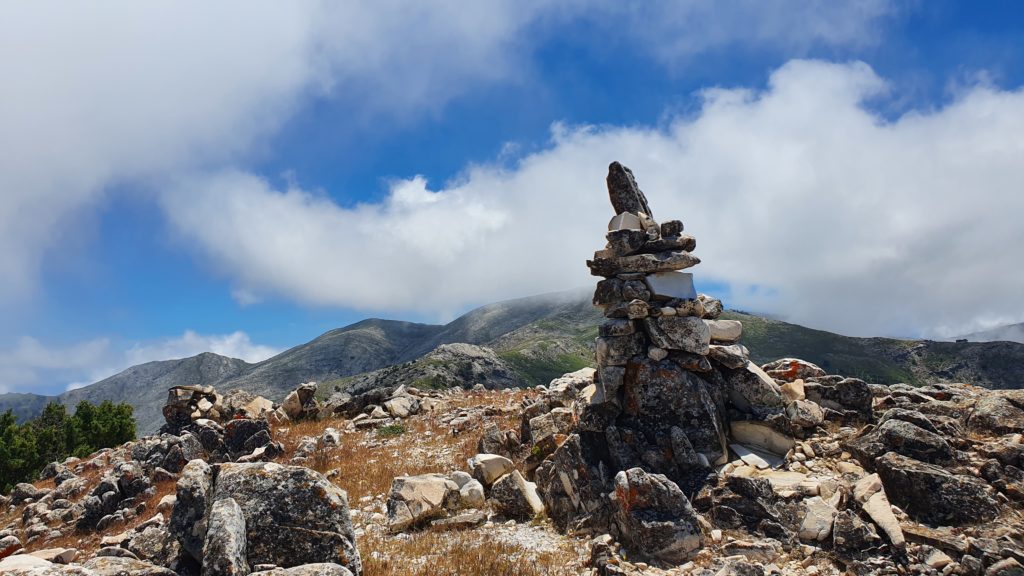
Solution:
(660, 335)
(671, 381)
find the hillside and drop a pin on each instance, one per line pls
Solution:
(536, 339)
(1008, 333)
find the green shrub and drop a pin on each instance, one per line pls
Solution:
(391, 430)
(25, 449)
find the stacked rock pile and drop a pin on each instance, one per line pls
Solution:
(661, 332)
(674, 391)
(651, 306)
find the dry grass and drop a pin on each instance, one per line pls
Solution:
(467, 553)
(367, 462)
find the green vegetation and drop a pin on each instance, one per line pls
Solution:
(881, 360)
(27, 448)
(541, 369)
(391, 430)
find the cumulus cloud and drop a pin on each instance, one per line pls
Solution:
(33, 366)
(128, 93)
(234, 345)
(803, 200)
(22, 365)
(676, 30)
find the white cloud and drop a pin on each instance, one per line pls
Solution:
(802, 199)
(234, 345)
(32, 366)
(675, 30)
(130, 93)
(23, 364)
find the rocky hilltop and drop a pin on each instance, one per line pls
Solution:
(677, 454)
(538, 339)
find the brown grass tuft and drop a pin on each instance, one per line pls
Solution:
(466, 553)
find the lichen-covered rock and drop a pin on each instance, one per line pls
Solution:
(685, 333)
(224, 551)
(417, 499)
(193, 500)
(322, 569)
(301, 403)
(654, 516)
(516, 498)
(903, 437)
(661, 395)
(752, 391)
(997, 413)
(790, 369)
(931, 494)
(624, 192)
(293, 515)
(9, 545)
(119, 566)
(25, 491)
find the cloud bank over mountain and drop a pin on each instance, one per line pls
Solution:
(804, 198)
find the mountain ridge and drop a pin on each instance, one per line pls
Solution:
(535, 339)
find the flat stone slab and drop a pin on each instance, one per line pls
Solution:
(641, 263)
(760, 434)
(625, 221)
(754, 457)
(749, 458)
(672, 284)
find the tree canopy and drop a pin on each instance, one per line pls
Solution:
(25, 449)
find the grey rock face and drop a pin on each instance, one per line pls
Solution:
(902, 437)
(624, 192)
(684, 333)
(655, 517)
(293, 515)
(932, 494)
(194, 497)
(752, 391)
(997, 413)
(516, 498)
(118, 566)
(321, 569)
(642, 263)
(224, 550)
(25, 491)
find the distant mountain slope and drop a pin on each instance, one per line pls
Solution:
(886, 360)
(1008, 333)
(361, 347)
(535, 339)
(143, 386)
(23, 405)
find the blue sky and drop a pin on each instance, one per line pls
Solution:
(246, 177)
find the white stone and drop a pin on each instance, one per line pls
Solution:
(725, 330)
(818, 519)
(749, 457)
(672, 285)
(760, 434)
(793, 391)
(489, 467)
(657, 354)
(880, 512)
(471, 495)
(625, 221)
(938, 559)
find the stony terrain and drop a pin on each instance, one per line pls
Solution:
(677, 454)
(540, 342)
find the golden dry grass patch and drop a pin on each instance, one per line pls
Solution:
(466, 553)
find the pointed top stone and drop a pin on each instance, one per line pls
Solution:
(624, 193)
